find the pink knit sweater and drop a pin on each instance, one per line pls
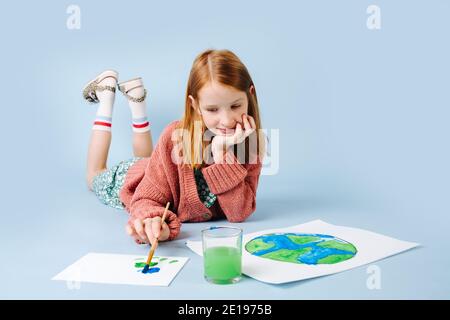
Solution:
(152, 182)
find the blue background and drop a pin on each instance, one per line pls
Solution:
(363, 118)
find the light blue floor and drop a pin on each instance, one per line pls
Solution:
(54, 236)
(363, 118)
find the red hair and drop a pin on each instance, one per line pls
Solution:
(224, 67)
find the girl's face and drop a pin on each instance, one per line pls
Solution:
(221, 107)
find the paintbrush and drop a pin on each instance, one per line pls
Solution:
(155, 244)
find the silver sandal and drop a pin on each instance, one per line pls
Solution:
(129, 85)
(94, 85)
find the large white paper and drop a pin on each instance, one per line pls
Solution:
(369, 246)
(122, 269)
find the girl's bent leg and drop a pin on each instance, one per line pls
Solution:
(136, 94)
(103, 88)
(97, 154)
(142, 144)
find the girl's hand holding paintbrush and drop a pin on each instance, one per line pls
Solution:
(147, 230)
(154, 244)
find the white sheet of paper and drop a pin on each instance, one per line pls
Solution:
(120, 269)
(370, 247)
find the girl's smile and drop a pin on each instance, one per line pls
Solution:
(225, 131)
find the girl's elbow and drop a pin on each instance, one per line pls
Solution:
(242, 215)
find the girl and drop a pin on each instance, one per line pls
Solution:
(207, 164)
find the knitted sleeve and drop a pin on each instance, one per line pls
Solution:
(235, 186)
(153, 192)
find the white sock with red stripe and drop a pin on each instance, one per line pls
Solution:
(138, 111)
(103, 118)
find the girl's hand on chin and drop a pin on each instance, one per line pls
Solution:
(221, 143)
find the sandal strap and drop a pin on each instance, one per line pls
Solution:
(103, 88)
(139, 99)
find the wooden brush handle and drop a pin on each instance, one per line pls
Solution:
(155, 245)
(152, 251)
(165, 213)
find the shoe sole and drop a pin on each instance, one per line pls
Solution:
(129, 84)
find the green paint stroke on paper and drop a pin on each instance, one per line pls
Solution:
(142, 264)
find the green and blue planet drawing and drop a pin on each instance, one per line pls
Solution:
(140, 264)
(301, 248)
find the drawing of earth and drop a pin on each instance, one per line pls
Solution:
(301, 248)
